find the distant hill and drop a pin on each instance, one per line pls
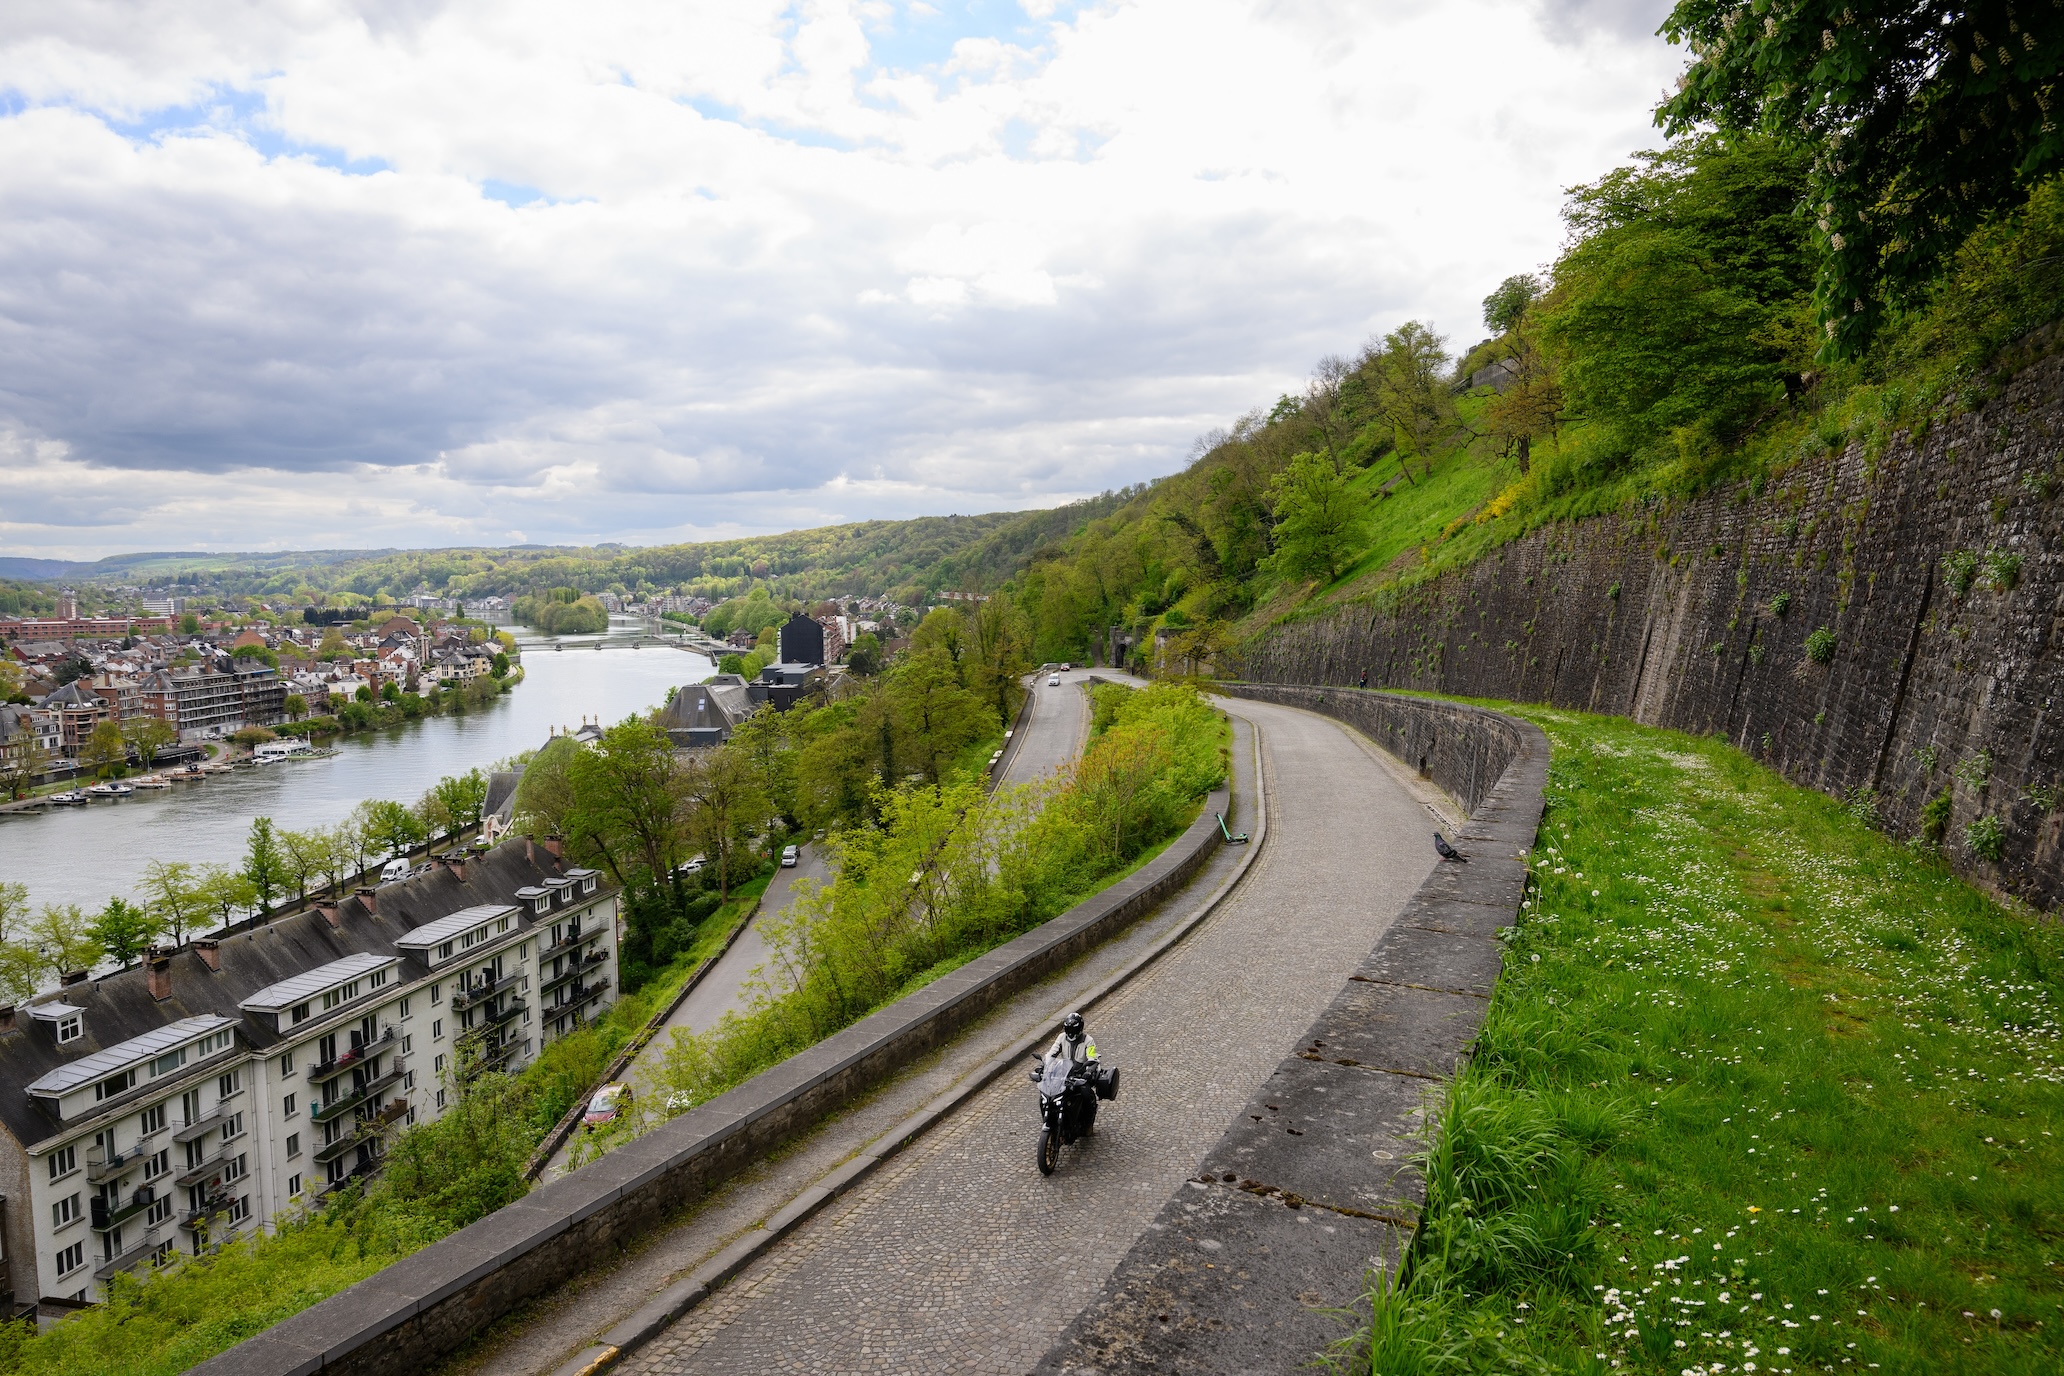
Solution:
(38, 568)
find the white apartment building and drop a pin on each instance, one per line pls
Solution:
(170, 1107)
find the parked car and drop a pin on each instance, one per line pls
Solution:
(608, 1104)
(790, 856)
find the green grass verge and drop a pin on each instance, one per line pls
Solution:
(1760, 1090)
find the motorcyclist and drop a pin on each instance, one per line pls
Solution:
(1074, 1046)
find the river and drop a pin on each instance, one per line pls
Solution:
(85, 855)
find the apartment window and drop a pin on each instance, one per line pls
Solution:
(234, 1170)
(234, 1128)
(404, 1008)
(169, 1062)
(228, 1085)
(69, 1030)
(437, 990)
(64, 1211)
(158, 1212)
(293, 1145)
(406, 1044)
(409, 1081)
(208, 1046)
(300, 1012)
(437, 1029)
(444, 951)
(65, 1159)
(160, 1162)
(286, 1064)
(287, 1106)
(113, 1085)
(501, 926)
(377, 980)
(71, 1258)
(153, 1120)
(440, 1098)
(439, 1067)
(412, 1114)
(293, 1187)
(241, 1208)
(190, 1107)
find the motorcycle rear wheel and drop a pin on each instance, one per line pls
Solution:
(1049, 1151)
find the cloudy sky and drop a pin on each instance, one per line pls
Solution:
(304, 273)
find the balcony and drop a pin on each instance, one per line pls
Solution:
(580, 994)
(572, 940)
(142, 1251)
(213, 1162)
(357, 1055)
(105, 1218)
(210, 1205)
(574, 970)
(466, 996)
(201, 1126)
(100, 1166)
(506, 1013)
(487, 1058)
(335, 1108)
(364, 1168)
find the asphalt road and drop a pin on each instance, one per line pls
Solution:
(1056, 726)
(957, 1256)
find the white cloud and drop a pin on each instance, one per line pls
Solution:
(309, 273)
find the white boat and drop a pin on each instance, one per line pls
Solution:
(109, 790)
(272, 752)
(153, 782)
(72, 799)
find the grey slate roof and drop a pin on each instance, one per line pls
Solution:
(118, 1007)
(90, 1068)
(290, 991)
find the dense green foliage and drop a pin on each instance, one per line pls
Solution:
(943, 873)
(1919, 119)
(561, 611)
(1757, 1085)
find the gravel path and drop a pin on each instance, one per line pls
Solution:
(957, 1256)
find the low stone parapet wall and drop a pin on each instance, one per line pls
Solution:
(399, 1321)
(1312, 1184)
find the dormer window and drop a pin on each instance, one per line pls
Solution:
(587, 884)
(70, 1028)
(113, 1085)
(444, 950)
(300, 1012)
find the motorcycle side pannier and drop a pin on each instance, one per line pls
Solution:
(1107, 1085)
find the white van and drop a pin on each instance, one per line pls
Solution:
(397, 868)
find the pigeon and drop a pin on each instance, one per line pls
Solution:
(1448, 852)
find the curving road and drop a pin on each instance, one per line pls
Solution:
(956, 1256)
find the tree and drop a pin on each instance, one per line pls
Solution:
(265, 863)
(124, 931)
(226, 892)
(339, 856)
(627, 803)
(1319, 521)
(63, 939)
(459, 798)
(22, 766)
(864, 655)
(944, 632)
(1000, 656)
(1411, 392)
(392, 829)
(1505, 307)
(1327, 405)
(296, 706)
(19, 964)
(499, 665)
(333, 646)
(935, 716)
(1917, 120)
(105, 752)
(10, 679)
(176, 900)
(147, 736)
(1529, 404)
(302, 855)
(722, 801)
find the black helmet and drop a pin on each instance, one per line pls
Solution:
(1071, 1027)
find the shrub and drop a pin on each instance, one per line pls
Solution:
(1960, 570)
(2002, 570)
(1780, 604)
(1935, 817)
(1820, 646)
(1986, 837)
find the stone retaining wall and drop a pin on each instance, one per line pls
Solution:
(1310, 1186)
(398, 1321)
(1935, 564)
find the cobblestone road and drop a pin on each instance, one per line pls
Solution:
(957, 1256)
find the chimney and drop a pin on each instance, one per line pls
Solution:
(72, 977)
(210, 952)
(456, 863)
(157, 974)
(328, 909)
(6, 1017)
(557, 845)
(369, 899)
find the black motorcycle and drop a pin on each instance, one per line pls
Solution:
(1068, 1095)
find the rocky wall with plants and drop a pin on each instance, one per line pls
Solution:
(1876, 620)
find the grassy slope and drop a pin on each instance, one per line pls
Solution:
(1758, 1086)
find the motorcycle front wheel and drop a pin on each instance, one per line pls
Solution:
(1049, 1151)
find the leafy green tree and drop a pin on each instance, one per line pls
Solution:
(189, 624)
(944, 632)
(499, 665)
(63, 940)
(1680, 306)
(864, 655)
(302, 856)
(174, 893)
(105, 752)
(147, 736)
(1409, 389)
(459, 798)
(296, 706)
(265, 862)
(391, 828)
(1505, 307)
(1319, 521)
(722, 803)
(627, 803)
(935, 716)
(226, 892)
(124, 931)
(767, 744)
(999, 656)
(1917, 122)
(22, 766)
(20, 966)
